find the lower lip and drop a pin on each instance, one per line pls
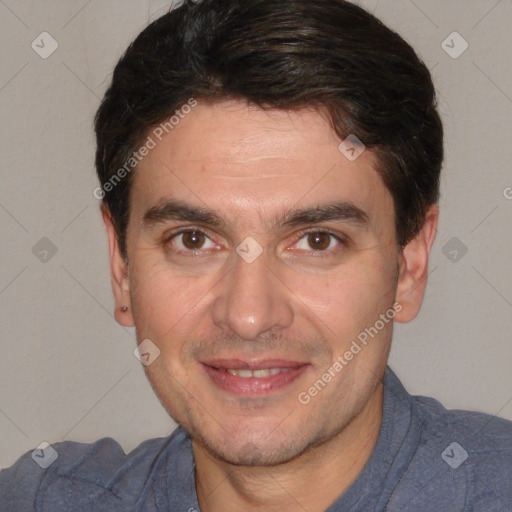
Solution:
(253, 386)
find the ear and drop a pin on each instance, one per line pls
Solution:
(413, 266)
(118, 274)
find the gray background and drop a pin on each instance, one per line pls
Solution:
(67, 370)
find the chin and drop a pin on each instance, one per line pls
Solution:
(254, 449)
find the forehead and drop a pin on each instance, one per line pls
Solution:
(229, 155)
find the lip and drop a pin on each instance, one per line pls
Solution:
(252, 386)
(248, 364)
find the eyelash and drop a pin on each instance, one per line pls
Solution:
(167, 242)
(343, 241)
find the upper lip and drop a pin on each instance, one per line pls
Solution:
(252, 364)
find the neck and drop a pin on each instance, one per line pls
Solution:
(312, 481)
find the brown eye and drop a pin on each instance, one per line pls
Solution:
(193, 239)
(189, 242)
(319, 241)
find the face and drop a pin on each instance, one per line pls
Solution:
(257, 255)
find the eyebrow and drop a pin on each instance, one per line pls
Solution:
(173, 210)
(342, 212)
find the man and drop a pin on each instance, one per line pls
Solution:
(269, 173)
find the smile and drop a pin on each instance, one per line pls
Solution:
(265, 372)
(258, 379)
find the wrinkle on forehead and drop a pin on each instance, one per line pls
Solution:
(251, 165)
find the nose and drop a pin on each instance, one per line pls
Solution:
(252, 299)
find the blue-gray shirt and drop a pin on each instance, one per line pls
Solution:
(427, 458)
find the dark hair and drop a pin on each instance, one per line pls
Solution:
(284, 54)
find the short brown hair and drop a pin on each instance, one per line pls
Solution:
(284, 54)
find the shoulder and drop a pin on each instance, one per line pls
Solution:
(82, 474)
(463, 457)
(481, 433)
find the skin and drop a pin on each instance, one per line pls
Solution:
(292, 302)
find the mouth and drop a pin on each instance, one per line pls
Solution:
(253, 378)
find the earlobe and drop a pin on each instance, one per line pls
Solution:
(413, 268)
(118, 274)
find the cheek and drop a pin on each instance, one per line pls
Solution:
(347, 300)
(166, 309)
(164, 303)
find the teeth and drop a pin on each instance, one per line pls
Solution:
(260, 373)
(264, 372)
